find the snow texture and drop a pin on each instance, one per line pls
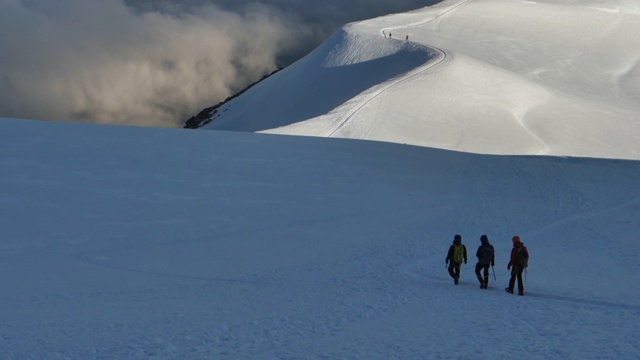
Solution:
(139, 243)
(143, 243)
(492, 76)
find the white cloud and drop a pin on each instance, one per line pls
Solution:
(151, 62)
(101, 61)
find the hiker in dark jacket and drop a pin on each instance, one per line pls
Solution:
(519, 261)
(486, 258)
(456, 255)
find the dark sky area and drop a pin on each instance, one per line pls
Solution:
(155, 62)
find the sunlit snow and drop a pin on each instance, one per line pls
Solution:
(142, 243)
(491, 76)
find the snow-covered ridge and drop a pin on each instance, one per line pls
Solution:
(151, 243)
(350, 47)
(315, 85)
(493, 76)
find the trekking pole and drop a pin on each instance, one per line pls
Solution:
(525, 274)
(494, 273)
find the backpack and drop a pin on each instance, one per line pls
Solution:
(486, 254)
(522, 257)
(458, 253)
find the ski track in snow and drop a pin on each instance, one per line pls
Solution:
(519, 115)
(437, 16)
(388, 86)
(247, 246)
(546, 86)
(407, 77)
(588, 215)
(416, 269)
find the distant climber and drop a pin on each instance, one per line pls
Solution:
(486, 258)
(407, 38)
(456, 255)
(519, 261)
(389, 34)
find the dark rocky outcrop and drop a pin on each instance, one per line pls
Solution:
(208, 114)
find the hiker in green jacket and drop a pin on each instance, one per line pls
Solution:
(456, 255)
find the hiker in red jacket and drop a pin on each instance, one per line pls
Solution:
(519, 261)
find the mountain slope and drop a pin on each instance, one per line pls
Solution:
(141, 243)
(499, 77)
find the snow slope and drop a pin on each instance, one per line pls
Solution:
(141, 243)
(492, 76)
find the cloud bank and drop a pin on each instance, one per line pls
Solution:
(155, 63)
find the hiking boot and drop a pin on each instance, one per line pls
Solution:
(455, 281)
(521, 293)
(508, 290)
